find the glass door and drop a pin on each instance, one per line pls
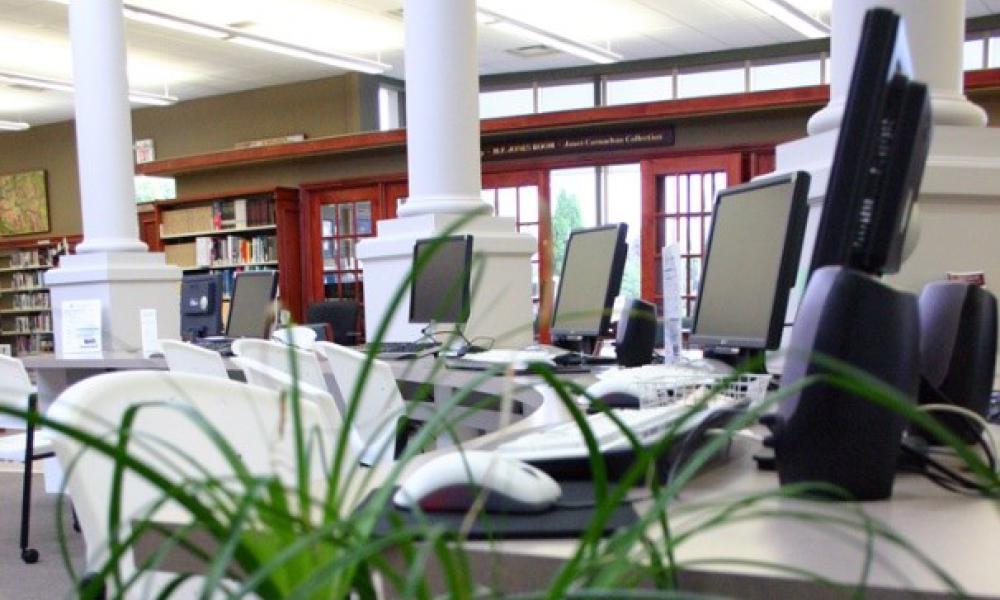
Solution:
(678, 196)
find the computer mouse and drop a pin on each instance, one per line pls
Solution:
(454, 481)
(615, 393)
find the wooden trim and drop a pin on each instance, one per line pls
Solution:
(33, 241)
(223, 195)
(983, 79)
(590, 117)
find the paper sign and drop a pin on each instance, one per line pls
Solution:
(81, 327)
(148, 333)
(672, 311)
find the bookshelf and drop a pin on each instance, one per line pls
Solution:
(231, 232)
(25, 307)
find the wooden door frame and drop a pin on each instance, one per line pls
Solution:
(650, 171)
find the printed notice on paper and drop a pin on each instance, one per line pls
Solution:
(148, 334)
(81, 327)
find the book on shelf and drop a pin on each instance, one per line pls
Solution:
(240, 213)
(27, 300)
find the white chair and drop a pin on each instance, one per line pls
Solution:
(283, 357)
(297, 336)
(183, 357)
(16, 391)
(380, 404)
(164, 436)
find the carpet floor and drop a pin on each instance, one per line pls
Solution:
(47, 579)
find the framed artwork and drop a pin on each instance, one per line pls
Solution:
(24, 203)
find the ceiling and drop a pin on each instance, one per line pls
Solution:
(34, 40)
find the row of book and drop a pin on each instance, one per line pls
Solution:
(223, 252)
(33, 345)
(220, 215)
(33, 257)
(26, 279)
(30, 300)
(41, 322)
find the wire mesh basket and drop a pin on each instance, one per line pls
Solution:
(716, 390)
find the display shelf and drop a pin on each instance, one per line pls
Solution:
(25, 268)
(25, 310)
(5, 291)
(33, 332)
(219, 232)
(25, 306)
(242, 229)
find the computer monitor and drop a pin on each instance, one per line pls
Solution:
(201, 305)
(749, 266)
(439, 291)
(590, 280)
(250, 310)
(880, 155)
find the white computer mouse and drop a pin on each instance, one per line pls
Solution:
(453, 482)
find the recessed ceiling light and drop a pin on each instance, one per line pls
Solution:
(791, 16)
(553, 40)
(22, 81)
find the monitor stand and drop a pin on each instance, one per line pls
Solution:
(740, 359)
(581, 351)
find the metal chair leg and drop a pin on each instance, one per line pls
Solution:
(28, 555)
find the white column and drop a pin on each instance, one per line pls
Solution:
(959, 202)
(936, 32)
(443, 157)
(103, 128)
(111, 264)
(442, 107)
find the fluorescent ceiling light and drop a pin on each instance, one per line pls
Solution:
(791, 16)
(13, 125)
(522, 29)
(42, 83)
(237, 36)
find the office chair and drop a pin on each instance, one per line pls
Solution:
(183, 357)
(16, 391)
(380, 404)
(252, 421)
(341, 314)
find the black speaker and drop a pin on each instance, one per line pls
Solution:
(958, 347)
(636, 333)
(828, 434)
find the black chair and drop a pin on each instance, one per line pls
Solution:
(341, 314)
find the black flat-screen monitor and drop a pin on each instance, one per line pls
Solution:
(439, 289)
(750, 264)
(880, 155)
(589, 282)
(201, 305)
(251, 307)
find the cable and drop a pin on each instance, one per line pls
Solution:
(992, 450)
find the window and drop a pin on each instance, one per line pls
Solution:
(638, 89)
(519, 203)
(505, 103)
(623, 204)
(972, 54)
(389, 108)
(710, 83)
(776, 76)
(993, 58)
(565, 96)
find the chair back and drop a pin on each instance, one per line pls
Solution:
(171, 434)
(183, 357)
(380, 404)
(298, 336)
(15, 387)
(285, 358)
(341, 314)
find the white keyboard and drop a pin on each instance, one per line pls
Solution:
(565, 441)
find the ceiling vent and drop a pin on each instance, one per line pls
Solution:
(534, 51)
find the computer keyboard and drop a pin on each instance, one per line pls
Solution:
(401, 350)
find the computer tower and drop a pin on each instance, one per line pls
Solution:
(636, 333)
(825, 433)
(958, 346)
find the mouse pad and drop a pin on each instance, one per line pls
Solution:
(555, 523)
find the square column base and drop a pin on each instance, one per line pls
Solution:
(501, 307)
(125, 283)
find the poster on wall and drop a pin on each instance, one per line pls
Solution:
(24, 203)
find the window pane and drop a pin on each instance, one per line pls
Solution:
(574, 193)
(670, 191)
(710, 83)
(504, 103)
(784, 75)
(639, 89)
(565, 96)
(507, 202)
(972, 55)
(624, 205)
(388, 108)
(994, 49)
(529, 203)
